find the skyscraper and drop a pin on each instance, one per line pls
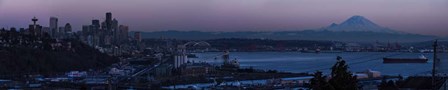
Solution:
(138, 36)
(53, 26)
(68, 28)
(114, 24)
(123, 33)
(115, 32)
(96, 22)
(138, 39)
(109, 21)
(85, 30)
(61, 32)
(102, 33)
(96, 25)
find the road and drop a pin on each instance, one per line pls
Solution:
(148, 69)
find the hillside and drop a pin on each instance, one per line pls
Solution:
(27, 54)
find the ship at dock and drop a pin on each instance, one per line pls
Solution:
(421, 59)
(230, 64)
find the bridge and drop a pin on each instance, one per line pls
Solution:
(197, 44)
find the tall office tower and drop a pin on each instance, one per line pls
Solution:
(85, 31)
(115, 32)
(96, 26)
(102, 33)
(60, 33)
(53, 26)
(123, 33)
(114, 24)
(68, 28)
(103, 25)
(96, 22)
(138, 36)
(138, 39)
(109, 21)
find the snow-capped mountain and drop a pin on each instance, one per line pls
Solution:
(358, 23)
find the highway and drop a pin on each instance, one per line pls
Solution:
(149, 68)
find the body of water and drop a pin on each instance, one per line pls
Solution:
(311, 62)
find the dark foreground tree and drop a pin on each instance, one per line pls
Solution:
(341, 78)
(387, 85)
(319, 82)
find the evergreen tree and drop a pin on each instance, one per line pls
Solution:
(388, 85)
(341, 78)
(319, 82)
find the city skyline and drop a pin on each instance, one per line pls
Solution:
(413, 16)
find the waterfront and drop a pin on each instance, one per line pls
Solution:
(310, 62)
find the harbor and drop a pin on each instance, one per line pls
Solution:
(298, 62)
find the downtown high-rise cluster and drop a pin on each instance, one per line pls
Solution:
(106, 33)
(58, 32)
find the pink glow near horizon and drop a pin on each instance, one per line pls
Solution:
(414, 16)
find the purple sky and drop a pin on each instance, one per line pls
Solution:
(414, 16)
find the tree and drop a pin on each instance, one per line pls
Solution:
(341, 78)
(319, 82)
(388, 85)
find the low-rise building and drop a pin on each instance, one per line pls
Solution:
(197, 69)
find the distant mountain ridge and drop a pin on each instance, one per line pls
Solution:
(355, 29)
(352, 36)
